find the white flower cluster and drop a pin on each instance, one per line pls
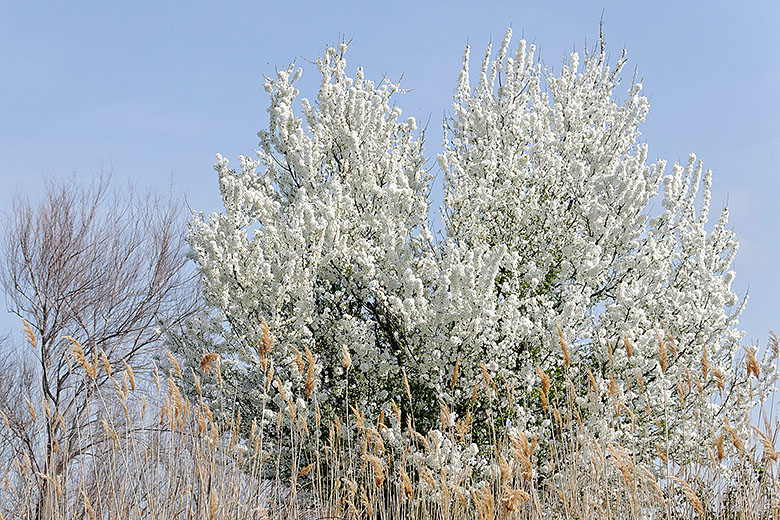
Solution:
(549, 239)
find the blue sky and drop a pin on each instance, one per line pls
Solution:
(155, 89)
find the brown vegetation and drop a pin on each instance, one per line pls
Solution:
(92, 272)
(165, 457)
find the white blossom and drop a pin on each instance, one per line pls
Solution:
(549, 222)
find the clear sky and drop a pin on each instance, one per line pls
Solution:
(155, 89)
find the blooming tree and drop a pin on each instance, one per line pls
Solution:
(552, 267)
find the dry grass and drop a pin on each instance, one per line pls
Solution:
(163, 456)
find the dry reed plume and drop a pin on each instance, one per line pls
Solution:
(173, 457)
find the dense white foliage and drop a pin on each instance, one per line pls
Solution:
(549, 225)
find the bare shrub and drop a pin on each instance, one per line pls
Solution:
(102, 263)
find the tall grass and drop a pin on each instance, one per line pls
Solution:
(158, 454)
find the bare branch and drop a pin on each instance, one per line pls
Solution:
(102, 263)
